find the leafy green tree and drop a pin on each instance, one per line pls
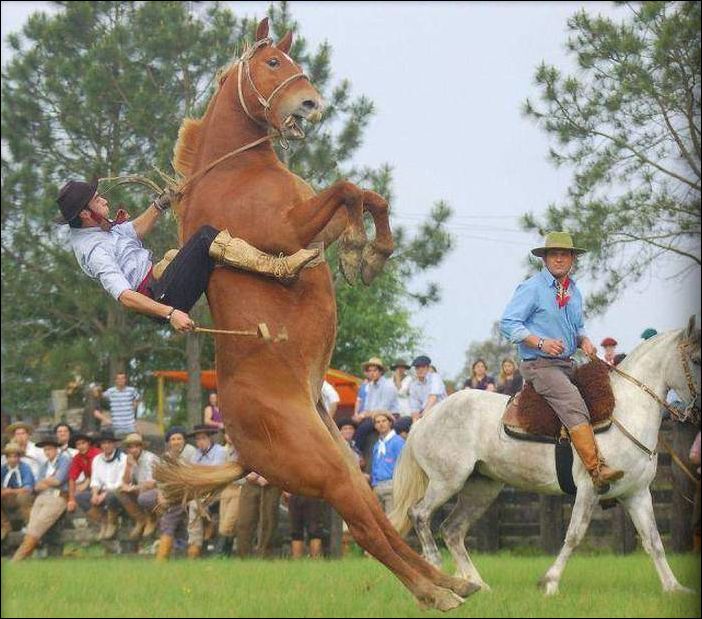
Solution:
(100, 89)
(628, 123)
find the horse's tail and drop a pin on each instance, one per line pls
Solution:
(180, 482)
(409, 483)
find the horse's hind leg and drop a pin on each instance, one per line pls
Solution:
(640, 508)
(376, 253)
(579, 521)
(475, 497)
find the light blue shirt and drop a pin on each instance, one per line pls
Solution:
(213, 456)
(419, 391)
(381, 396)
(116, 258)
(60, 467)
(534, 310)
(383, 465)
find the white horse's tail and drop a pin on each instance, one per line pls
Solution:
(409, 484)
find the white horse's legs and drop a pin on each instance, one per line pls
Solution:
(474, 498)
(640, 508)
(579, 521)
(438, 492)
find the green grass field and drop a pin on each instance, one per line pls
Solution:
(593, 586)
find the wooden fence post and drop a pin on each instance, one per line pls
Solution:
(623, 531)
(683, 489)
(551, 523)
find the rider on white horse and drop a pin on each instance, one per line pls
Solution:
(545, 317)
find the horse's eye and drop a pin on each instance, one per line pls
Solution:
(273, 62)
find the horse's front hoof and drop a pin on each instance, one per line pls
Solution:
(372, 262)
(549, 587)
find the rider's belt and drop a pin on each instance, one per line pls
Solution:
(145, 286)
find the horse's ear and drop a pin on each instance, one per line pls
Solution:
(284, 44)
(262, 30)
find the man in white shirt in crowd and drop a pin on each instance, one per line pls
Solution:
(107, 478)
(330, 398)
(402, 380)
(426, 390)
(19, 434)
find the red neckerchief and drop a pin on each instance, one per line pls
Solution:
(562, 296)
(107, 224)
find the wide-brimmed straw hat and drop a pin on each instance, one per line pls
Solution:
(12, 448)
(17, 425)
(374, 361)
(133, 439)
(557, 240)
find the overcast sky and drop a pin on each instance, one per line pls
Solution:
(448, 81)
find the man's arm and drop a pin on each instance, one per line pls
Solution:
(135, 301)
(146, 221)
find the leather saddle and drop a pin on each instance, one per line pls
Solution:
(528, 416)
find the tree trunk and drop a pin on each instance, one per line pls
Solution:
(194, 390)
(118, 361)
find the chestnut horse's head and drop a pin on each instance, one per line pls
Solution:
(272, 88)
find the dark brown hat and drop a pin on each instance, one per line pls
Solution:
(203, 428)
(73, 198)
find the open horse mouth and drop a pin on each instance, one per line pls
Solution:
(294, 123)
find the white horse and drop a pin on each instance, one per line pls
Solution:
(461, 449)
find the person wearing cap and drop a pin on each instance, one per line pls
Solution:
(112, 252)
(545, 319)
(347, 429)
(79, 474)
(64, 436)
(138, 493)
(386, 452)
(17, 494)
(19, 433)
(208, 453)
(402, 380)
(648, 333)
(381, 395)
(610, 349)
(105, 482)
(178, 449)
(426, 390)
(51, 492)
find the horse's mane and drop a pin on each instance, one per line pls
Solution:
(188, 140)
(645, 348)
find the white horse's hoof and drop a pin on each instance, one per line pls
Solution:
(549, 587)
(485, 587)
(678, 588)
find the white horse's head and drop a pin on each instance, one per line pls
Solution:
(682, 370)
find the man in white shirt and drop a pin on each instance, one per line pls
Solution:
(34, 457)
(112, 252)
(330, 398)
(402, 380)
(381, 396)
(106, 480)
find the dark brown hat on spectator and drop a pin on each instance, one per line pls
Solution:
(203, 428)
(48, 440)
(400, 363)
(345, 421)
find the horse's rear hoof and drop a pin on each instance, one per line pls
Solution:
(465, 588)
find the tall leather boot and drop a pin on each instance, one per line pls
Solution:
(194, 551)
(165, 545)
(29, 543)
(137, 516)
(583, 439)
(237, 253)
(111, 525)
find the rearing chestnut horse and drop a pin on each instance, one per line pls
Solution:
(269, 391)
